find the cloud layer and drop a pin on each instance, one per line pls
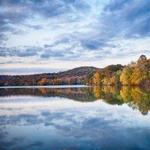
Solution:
(70, 30)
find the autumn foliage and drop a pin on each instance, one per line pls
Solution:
(133, 74)
(136, 73)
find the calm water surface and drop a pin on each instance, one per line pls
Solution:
(74, 118)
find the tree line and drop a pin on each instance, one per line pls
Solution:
(135, 73)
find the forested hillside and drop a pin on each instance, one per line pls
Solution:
(74, 76)
(136, 73)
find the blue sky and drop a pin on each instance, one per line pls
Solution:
(55, 35)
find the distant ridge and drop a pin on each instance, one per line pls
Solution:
(136, 73)
(72, 76)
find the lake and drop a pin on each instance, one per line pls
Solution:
(74, 118)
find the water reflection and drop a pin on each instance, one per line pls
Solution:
(89, 118)
(135, 97)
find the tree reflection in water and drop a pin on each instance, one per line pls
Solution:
(134, 96)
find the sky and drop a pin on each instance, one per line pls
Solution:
(54, 35)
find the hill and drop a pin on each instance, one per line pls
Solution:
(136, 73)
(73, 76)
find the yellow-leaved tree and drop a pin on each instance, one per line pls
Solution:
(125, 77)
(138, 75)
(97, 78)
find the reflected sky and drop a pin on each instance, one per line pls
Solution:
(60, 123)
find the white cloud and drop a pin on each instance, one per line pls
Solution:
(69, 35)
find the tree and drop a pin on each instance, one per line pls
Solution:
(142, 59)
(125, 77)
(43, 81)
(106, 80)
(97, 78)
(138, 75)
(140, 71)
